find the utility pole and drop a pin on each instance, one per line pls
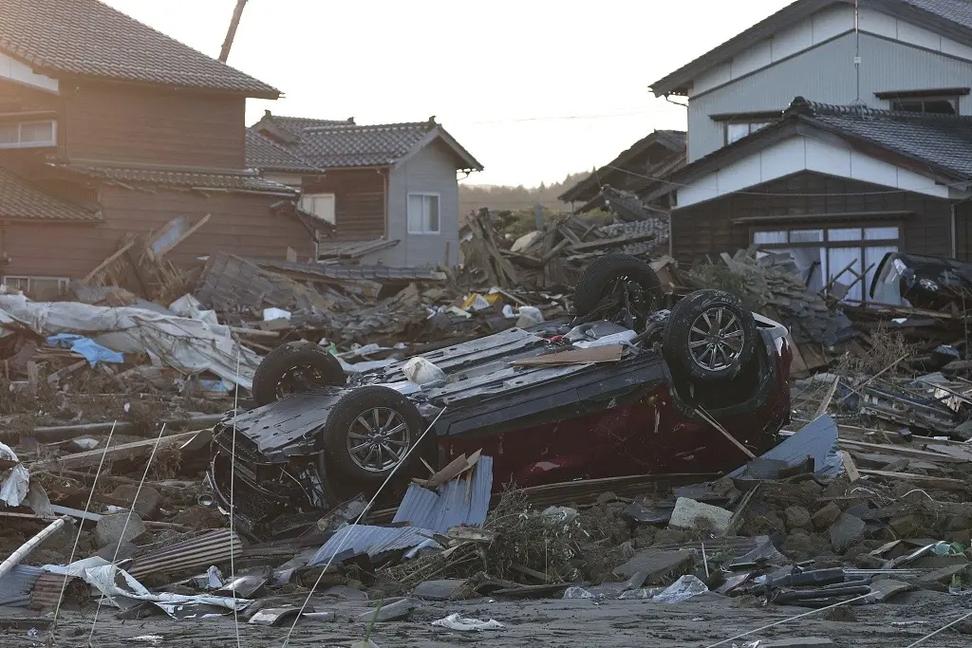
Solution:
(231, 32)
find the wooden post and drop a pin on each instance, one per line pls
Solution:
(231, 32)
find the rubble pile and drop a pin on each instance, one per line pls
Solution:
(771, 285)
(552, 257)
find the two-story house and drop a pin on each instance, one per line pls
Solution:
(838, 130)
(385, 193)
(110, 129)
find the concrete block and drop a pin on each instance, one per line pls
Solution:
(689, 514)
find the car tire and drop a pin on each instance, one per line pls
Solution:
(710, 336)
(598, 280)
(294, 367)
(348, 425)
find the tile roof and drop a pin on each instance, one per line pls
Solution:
(263, 153)
(936, 145)
(350, 145)
(227, 180)
(89, 39)
(20, 200)
(327, 144)
(956, 11)
(941, 142)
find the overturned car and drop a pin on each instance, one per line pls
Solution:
(626, 388)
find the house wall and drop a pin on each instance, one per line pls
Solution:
(359, 201)
(121, 123)
(894, 56)
(798, 153)
(431, 170)
(239, 224)
(708, 229)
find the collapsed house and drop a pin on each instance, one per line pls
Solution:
(110, 130)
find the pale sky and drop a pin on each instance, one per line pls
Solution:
(535, 89)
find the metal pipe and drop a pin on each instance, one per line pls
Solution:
(14, 559)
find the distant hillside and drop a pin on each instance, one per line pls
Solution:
(474, 197)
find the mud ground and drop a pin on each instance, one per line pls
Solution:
(697, 623)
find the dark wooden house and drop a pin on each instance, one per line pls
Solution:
(110, 129)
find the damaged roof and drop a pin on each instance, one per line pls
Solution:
(327, 144)
(658, 152)
(20, 200)
(190, 178)
(264, 153)
(950, 17)
(86, 38)
(937, 145)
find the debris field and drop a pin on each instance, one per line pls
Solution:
(141, 505)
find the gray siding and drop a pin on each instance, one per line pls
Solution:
(431, 170)
(826, 74)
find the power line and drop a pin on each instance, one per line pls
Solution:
(537, 118)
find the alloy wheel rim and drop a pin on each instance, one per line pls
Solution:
(716, 339)
(378, 439)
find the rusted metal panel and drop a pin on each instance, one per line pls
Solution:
(209, 548)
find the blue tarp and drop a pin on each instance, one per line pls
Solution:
(91, 350)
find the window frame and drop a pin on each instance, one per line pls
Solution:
(20, 144)
(951, 99)
(62, 282)
(318, 194)
(750, 123)
(438, 205)
(826, 243)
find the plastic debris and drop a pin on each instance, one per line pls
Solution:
(681, 590)
(458, 622)
(16, 480)
(577, 593)
(559, 514)
(423, 372)
(85, 346)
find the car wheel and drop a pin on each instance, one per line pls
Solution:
(292, 368)
(627, 281)
(369, 432)
(710, 336)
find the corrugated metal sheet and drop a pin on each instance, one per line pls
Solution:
(461, 501)
(205, 549)
(372, 540)
(47, 590)
(15, 586)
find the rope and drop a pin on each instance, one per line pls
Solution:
(232, 509)
(121, 537)
(792, 618)
(944, 627)
(355, 523)
(77, 538)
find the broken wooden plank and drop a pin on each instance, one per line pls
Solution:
(900, 451)
(114, 256)
(608, 353)
(947, 483)
(120, 452)
(850, 467)
(172, 234)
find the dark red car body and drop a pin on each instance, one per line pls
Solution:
(540, 424)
